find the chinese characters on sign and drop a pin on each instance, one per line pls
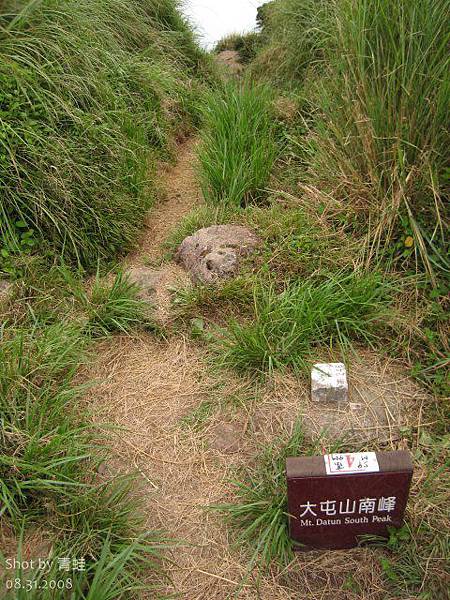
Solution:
(350, 507)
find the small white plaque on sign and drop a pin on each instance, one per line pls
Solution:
(351, 462)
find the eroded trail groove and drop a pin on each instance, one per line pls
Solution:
(181, 195)
(151, 388)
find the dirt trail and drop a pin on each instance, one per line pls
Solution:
(229, 59)
(155, 389)
(149, 386)
(181, 193)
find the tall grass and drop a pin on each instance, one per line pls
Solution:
(115, 307)
(293, 38)
(89, 95)
(50, 452)
(238, 146)
(379, 138)
(42, 446)
(290, 324)
(383, 141)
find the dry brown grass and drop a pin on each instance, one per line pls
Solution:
(148, 387)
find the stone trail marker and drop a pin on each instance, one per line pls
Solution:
(334, 499)
(329, 383)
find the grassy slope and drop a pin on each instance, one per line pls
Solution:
(92, 94)
(369, 139)
(375, 76)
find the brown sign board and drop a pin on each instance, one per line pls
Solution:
(335, 499)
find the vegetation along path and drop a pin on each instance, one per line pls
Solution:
(154, 377)
(186, 429)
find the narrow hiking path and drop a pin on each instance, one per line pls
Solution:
(155, 391)
(148, 387)
(181, 194)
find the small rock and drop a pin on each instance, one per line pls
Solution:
(5, 289)
(329, 383)
(146, 279)
(383, 402)
(156, 287)
(226, 438)
(214, 253)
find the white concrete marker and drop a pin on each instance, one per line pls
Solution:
(329, 383)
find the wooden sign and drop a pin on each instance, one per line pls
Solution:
(334, 499)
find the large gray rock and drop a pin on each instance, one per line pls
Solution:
(214, 253)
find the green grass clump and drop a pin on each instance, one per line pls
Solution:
(40, 453)
(43, 444)
(82, 123)
(108, 578)
(383, 140)
(238, 146)
(115, 307)
(288, 325)
(109, 304)
(424, 538)
(48, 461)
(260, 510)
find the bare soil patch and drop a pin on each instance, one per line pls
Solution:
(181, 195)
(230, 60)
(383, 403)
(149, 387)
